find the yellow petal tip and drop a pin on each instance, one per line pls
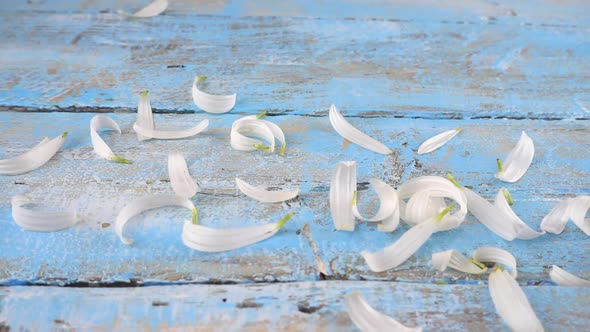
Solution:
(283, 148)
(283, 221)
(262, 147)
(354, 197)
(121, 160)
(452, 179)
(444, 212)
(509, 198)
(261, 114)
(500, 166)
(195, 216)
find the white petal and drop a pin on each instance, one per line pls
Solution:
(264, 195)
(427, 198)
(277, 133)
(243, 130)
(421, 206)
(397, 253)
(455, 260)
(145, 127)
(498, 256)
(518, 161)
(180, 179)
(171, 134)
(524, 232)
(354, 135)
(102, 122)
(390, 223)
(40, 221)
(147, 203)
(437, 141)
(34, 158)
(342, 188)
(145, 118)
(564, 278)
(490, 216)
(577, 210)
(208, 239)
(512, 304)
(368, 319)
(212, 103)
(155, 8)
(254, 127)
(388, 213)
(555, 221)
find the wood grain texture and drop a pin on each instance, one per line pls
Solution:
(400, 70)
(308, 306)
(546, 11)
(92, 253)
(415, 68)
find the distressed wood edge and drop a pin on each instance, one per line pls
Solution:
(286, 306)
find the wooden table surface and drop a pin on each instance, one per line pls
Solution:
(401, 71)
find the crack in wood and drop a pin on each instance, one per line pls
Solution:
(431, 115)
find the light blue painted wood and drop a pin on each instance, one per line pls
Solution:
(418, 68)
(545, 11)
(402, 70)
(91, 253)
(317, 306)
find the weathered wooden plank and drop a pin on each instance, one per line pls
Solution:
(416, 68)
(539, 11)
(311, 306)
(91, 252)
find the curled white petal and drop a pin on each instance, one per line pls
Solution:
(354, 135)
(564, 278)
(102, 122)
(368, 319)
(390, 223)
(490, 216)
(145, 117)
(577, 210)
(523, 231)
(243, 131)
(518, 161)
(202, 238)
(342, 188)
(155, 8)
(511, 303)
(394, 255)
(556, 220)
(388, 213)
(180, 179)
(498, 256)
(437, 141)
(212, 103)
(422, 205)
(40, 221)
(34, 158)
(145, 128)
(264, 195)
(147, 203)
(277, 133)
(427, 198)
(455, 260)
